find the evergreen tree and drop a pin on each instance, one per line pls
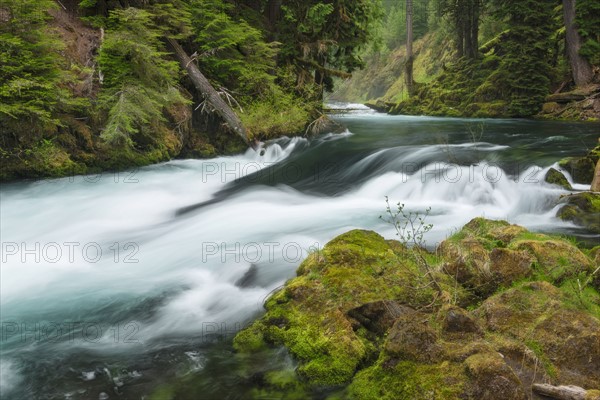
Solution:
(139, 81)
(31, 78)
(464, 15)
(523, 74)
(588, 26)
(324, 38)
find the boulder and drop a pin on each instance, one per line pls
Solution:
(550, 107)
(379, 316)
(458, 321)
(555, 177)
(565, 341)
(412, 339)
(582, 209)
(582, 169)
(492, 378)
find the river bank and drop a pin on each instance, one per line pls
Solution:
(492, 312)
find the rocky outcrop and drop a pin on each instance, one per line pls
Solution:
(582, 103)
(555, 177)
(582, 169)
(582, 209)
(363, 321)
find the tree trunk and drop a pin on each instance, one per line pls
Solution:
(475, 29)
(273, 12)
(408, 70)
(580, 67)
(208, 92)
(596, 181)
(460, 39)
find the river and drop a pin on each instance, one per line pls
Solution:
(115, 283)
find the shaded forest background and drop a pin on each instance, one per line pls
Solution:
(485, 58)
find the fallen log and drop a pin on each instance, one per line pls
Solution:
(560, 392)
(209, 93)
(565, 97)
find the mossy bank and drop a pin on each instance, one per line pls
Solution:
(90, 85)
(361, 320)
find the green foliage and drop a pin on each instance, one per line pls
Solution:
(30, 66)
(275, 116)
(232, 52)
(138, 80)
(394, 27)
(588, 23)
(410, 226)
(326, 34)
(87, 3)
(522, 76)
(316, 18)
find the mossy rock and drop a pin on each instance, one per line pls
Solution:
(564, 337)
(555, 259)
(379, 316)
(409, 381)
(478, 258)
(582, 168)
(556, 177)
(280, 384)
(412, 339)
(550, 107)
(592, 395)
(582, 209)
(459, 323)
(361, 325)
(310, 315)
(492, 378)
(488, 255)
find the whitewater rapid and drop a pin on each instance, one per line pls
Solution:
(112, 251)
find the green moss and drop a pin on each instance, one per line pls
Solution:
(542, 357)
(529, 322)
(47, 159)
(280, 384)
(580, 168)
(164, 392)
(278, 116)
(582, 296)
(309, 317)
(408, 380)
(582, 209)
(592, 395)
(249, 341)
(555, 177)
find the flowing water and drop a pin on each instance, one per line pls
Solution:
(112, 284)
